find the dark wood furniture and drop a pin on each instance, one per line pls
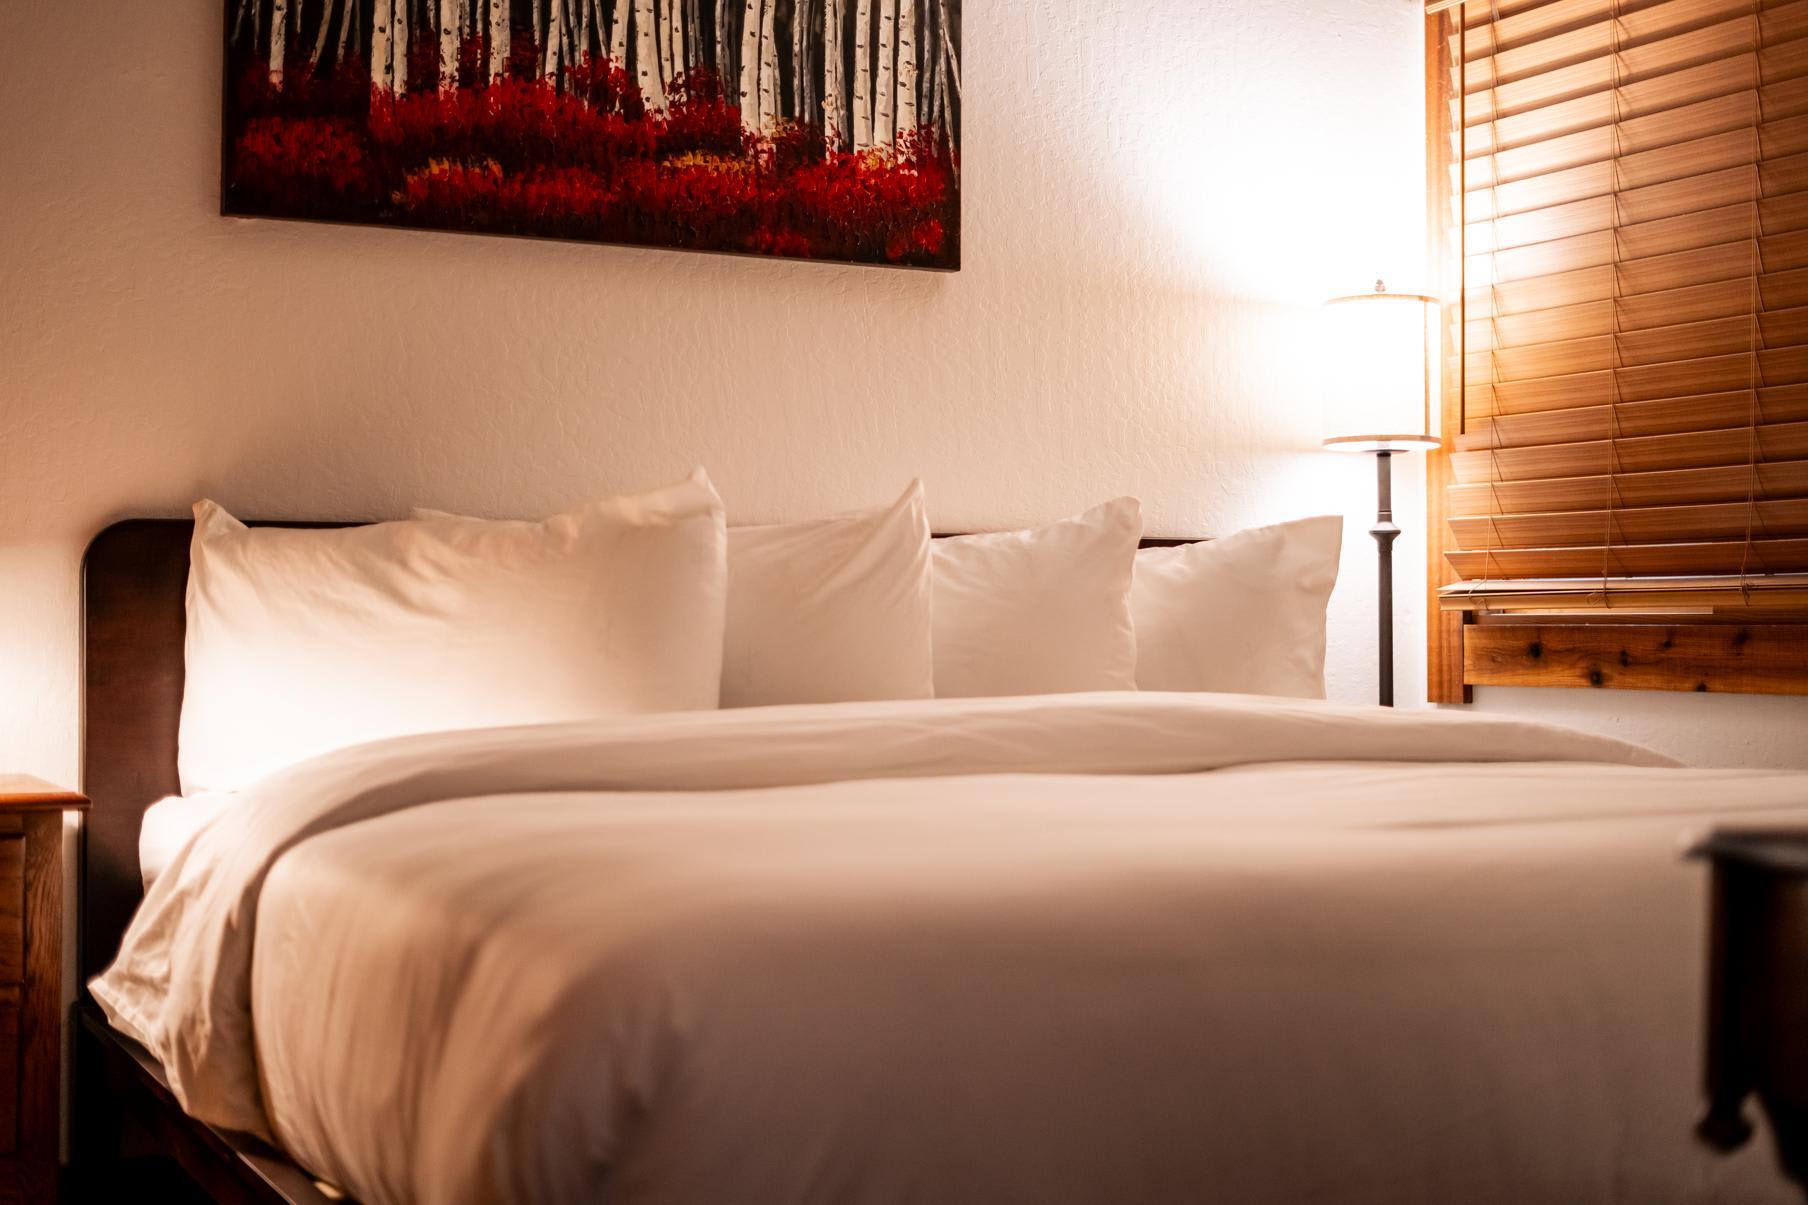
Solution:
(134, 1142)
(134, 619)
(127, 1124)
(31, 984)
(1705, 656)
(1757, 1021)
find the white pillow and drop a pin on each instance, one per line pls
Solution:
(1038, 612)
(303, 641)
(830, 610)
(1241, 615)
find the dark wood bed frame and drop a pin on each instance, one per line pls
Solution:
(125, 1119)
(134, 584)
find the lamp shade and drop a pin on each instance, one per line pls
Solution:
(1378, 372)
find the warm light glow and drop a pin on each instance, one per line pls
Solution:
(1377, 372)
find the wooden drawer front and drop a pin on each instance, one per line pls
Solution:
(12, 909)
(9, 1070)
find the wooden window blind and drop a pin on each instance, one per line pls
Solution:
(1622, 191)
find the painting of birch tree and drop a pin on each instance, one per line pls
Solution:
(813, 129)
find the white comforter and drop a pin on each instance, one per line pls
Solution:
(988, 951)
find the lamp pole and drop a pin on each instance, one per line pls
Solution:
(1385, 532)
(1387, 332)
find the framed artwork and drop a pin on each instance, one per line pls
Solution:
(814, 129)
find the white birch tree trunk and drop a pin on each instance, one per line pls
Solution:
(279, 40)
(681, 39)
(398, 49)
(803, 104)
(646, 55)
(586, 22)
(750, 64)
(725, 44)
(662, 10)
(950, 58)
(324, 35)
(770, 108)
(907, 65)
(928, 62)
(834, 86)
(382, 30)
(947, 84)
(348, 20)
(696, 53)
(618, 34)
(553, 48)
(862, 132)
(500, 36)
(448, 45)
(885, 106)
(938, 112)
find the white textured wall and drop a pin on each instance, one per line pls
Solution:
(1753, 731)
(1158, 193)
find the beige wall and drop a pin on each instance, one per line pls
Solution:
(1158, 193)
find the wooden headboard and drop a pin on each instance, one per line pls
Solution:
(134, 618)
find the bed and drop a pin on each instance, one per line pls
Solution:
(1123, 947)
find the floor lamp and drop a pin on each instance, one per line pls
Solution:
(1380, 348)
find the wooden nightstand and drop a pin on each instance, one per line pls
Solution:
(31, 984)
(1757, 1035)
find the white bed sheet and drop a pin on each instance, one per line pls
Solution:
(565, 964)
(170, 824)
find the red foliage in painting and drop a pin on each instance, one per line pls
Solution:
(580, 157)
(343, 91)
(604, 85)
(311, 167)
(795, 146)
(524, 55)
(766, 241)
(698, 120)
(423, 62)
(563, 202)
(873, 205)
(698, 203)
(471, 62)
(518, 124)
